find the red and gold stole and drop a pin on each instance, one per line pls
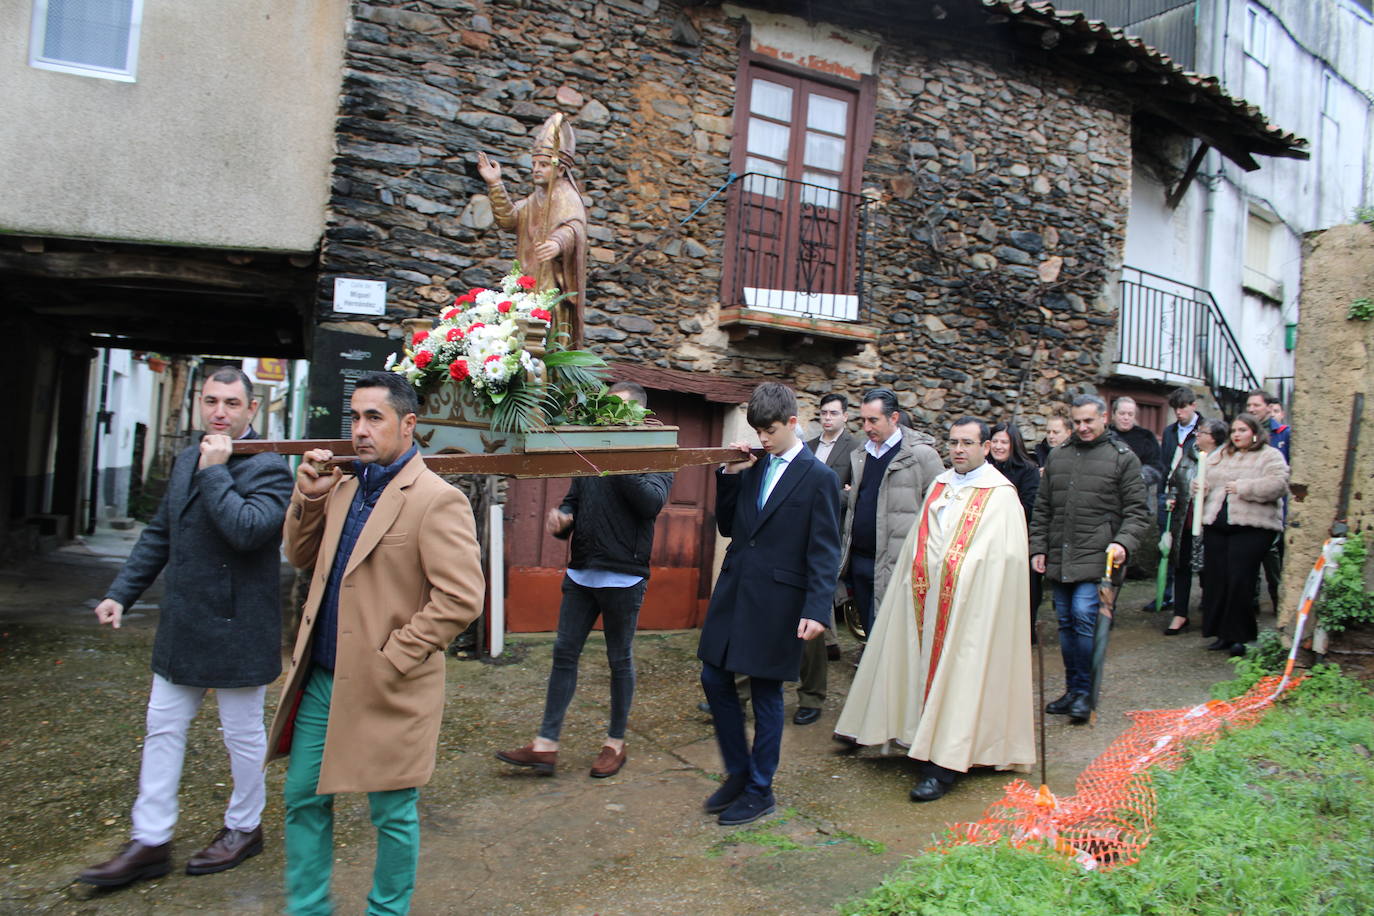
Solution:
(954, 559)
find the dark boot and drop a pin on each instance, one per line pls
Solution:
(133, 861)
(725, 796)
(1081, 709)
(1060, 706)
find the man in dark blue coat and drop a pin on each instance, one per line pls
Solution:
(217, 541)
(775, 590)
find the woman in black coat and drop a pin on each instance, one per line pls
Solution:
(1010, 456)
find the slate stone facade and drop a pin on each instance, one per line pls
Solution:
(999, 225)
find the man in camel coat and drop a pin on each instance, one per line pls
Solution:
(397, 576)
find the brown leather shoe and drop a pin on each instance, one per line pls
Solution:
(608, 762)
(133, 861)
(228, 849)
(542, 762)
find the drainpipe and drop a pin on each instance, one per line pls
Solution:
(102, 428)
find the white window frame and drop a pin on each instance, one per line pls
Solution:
(38, 36)
(1257, 34)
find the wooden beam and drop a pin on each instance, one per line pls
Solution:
(588, 463)
(1189, 174)
(71, 265)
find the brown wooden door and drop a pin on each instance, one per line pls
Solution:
(684, 537)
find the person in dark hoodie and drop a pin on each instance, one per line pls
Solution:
(610, 523)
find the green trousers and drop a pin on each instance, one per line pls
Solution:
(310, 821)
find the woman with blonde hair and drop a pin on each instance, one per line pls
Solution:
(1242, 507)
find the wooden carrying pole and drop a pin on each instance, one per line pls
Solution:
(519, 464)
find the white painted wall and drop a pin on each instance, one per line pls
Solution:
(225, 138)
(1318, 83)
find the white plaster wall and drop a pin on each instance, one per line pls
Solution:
(1307, 39)
(225, 139)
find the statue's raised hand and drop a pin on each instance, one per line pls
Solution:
(490, 171)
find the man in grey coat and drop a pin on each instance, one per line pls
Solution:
(890, 476)
(217, 537)
(1091, 502)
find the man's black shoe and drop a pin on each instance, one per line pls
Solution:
(832, 652)
(929, 789)
(805, 715)
(1218, 644)
(748, 808)
(725, 796)
(1060, 706)
(1081, 709)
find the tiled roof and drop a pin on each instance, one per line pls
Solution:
(1197, 103)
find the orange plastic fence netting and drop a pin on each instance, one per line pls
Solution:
(1109, 818)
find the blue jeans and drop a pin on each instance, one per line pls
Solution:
(761, 762)
(618, 609)
(1075, 603)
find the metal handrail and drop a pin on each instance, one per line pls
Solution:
(1178, 329)
(805, 245)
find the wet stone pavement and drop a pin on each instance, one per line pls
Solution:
(495, 840)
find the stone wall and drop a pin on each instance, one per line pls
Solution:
(1334, 361)
(1002, 191)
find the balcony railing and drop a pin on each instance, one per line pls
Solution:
(1176, 332)
(796, 249)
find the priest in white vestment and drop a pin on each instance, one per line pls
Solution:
(947, 670)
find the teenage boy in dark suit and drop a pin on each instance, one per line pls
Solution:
(775, 590)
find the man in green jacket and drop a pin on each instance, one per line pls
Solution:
(1091, 501)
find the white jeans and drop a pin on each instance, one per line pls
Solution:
(171, 707)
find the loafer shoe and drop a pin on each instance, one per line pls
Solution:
(608, 762)
(1060, 706)
(542, 762)
(133, 862)
(725, 796)
(805, 715)
(748, 808)
(930, 788)
(228, 849)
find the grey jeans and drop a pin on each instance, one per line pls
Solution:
(618, 609)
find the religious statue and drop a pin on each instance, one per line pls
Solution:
(550, 225)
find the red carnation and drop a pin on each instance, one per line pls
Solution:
(474, 326)
(422, 359)
(419, 338)
(452, 314)
(526, 282)
(541, 314)
(453, 334)
(504, 307)
(475, 290)
(458, 369)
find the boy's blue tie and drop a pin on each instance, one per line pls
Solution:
(774, 463)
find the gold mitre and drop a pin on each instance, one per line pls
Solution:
(555, 139)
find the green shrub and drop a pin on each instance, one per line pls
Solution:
(1344, 601)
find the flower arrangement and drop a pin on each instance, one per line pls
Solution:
(479, 341)
(480, 344)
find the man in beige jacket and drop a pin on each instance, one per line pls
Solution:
(890, 476)
(397, 576)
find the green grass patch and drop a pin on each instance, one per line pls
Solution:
(1274, 819)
